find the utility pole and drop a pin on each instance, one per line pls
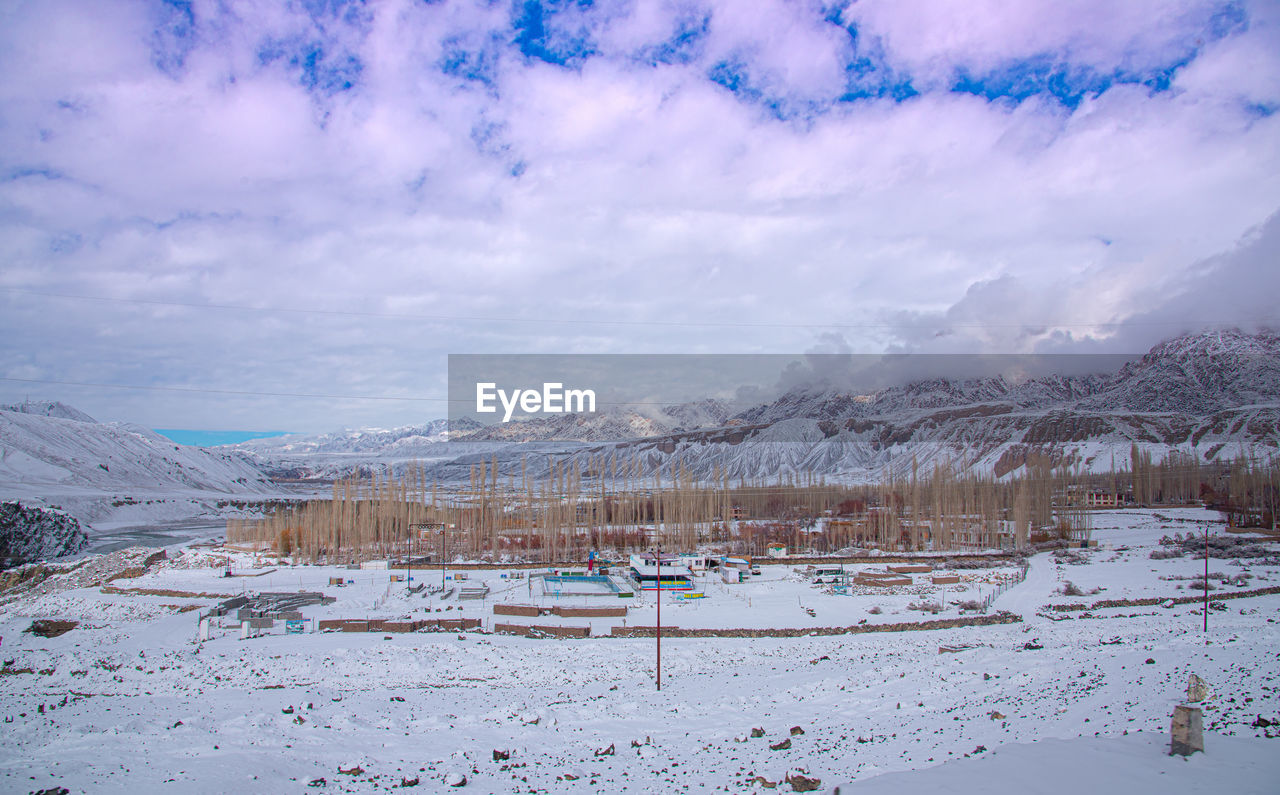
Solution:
(1206, 579)
(658, 596)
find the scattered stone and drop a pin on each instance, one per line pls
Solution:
(1197, 689)
(50, 628)
(763, 782)
(795, 730)
(802, 783)
(757, 733)
(997, 715)
(605, 751)
(455, 780)
(351, 771)
(501, 756)
(317, 782)
(782, 746)
(1151, 661)
(408, 782)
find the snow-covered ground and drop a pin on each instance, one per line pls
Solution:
(129, 701)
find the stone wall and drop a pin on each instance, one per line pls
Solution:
(542, 631)
(1155, 600)
(529, 611)
(387, 625)
(589, 612)
(776, 632)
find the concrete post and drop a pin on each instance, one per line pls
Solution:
(244, 630)
(1187, 731)
(204, 630)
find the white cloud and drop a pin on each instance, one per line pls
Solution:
(616, 190)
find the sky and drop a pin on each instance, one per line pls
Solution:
(285, 215)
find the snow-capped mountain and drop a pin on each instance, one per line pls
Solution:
(1197, 374)
(39, 449)
(1213, 394)
(341, 453)
(408, 439)
(48, 408)
(614, 422)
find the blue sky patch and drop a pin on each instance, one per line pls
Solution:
(1021, 79)
(478, 65)
(353, 13)
(214, 438)
(538, 36)
(318, 70)
(174, 35)
(684, 46)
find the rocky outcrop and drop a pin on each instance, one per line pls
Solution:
(30, 534)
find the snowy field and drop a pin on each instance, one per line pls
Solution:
(129, 701)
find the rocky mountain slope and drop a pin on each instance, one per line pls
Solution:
(1213, 395)
(28, 534)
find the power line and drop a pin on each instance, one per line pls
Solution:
(323, 396)
(206, 390)
(593, 321)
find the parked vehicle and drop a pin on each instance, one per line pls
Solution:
(828, 574)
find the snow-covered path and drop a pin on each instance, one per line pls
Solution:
(1027, 596)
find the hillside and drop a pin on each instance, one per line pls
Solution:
(1214, 394)
(28, 534)
(39, 450)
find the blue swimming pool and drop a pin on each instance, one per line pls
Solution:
(595, 585)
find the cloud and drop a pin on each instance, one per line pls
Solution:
(471, 182)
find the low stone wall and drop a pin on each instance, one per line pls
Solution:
(385, 625)
(529, 611)
(542, 631)
(1155, 600)
(453, 624)
(640, 632)
(776, 632)
(403, 626)
(881, 582)
(910, 569)
(589, 612)
(948, 579)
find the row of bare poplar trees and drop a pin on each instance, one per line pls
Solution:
(610, 505)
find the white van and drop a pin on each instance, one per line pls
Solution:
(832, 574)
